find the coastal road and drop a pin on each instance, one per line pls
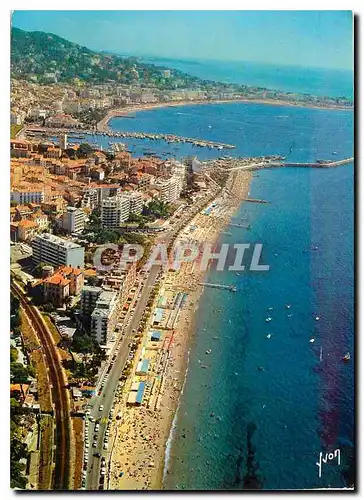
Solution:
(106, 398)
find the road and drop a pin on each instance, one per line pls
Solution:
(59, 392)
(108, 393)
(107, 396)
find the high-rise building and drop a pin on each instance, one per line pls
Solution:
(63, 142)
(135, 199)
(57, 251)
(104, 316)
(73, 220)
(114, 211)
(89, 297)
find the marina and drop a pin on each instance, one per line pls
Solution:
(170, 138)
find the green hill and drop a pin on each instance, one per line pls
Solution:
(46, 58)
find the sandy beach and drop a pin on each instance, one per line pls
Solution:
(139, 438)
(102, 126)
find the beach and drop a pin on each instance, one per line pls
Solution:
(139, 438)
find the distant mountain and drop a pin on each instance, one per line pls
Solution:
(45, 58)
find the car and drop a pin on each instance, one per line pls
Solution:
(130, 344)
(97, 454)
(105, 446)
(101, 407)
(86, 444)
(97, 427)
(91, 419)
(103, 469)
(94, 444)
(102, 473)
(107, 433)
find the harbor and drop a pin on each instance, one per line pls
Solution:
(169, 138)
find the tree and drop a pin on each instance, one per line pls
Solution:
(39, 268)
(85, 150)
(68, 301)
(48, 307)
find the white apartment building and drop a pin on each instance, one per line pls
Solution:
(114, 211)
(23, 197)
(57, 251)
(135, 199)
(104, 316)
(73, 220)
(91, 198)
(169, 189)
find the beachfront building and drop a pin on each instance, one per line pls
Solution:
(169, 189)
(104, 317)
(135, 199)
(73, 220)
(116, 209)
(57, 251)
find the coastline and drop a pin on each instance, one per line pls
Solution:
(102, 125)
(143, 440)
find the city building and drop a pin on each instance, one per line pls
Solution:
(135, 199)
(63, 142)
(57, 251)
(26, 229)
(169, 189)
(73, 220)
(114, 211)
(89, 297)
(104, 317)
(90, 199)
(23, 196)
(56, 289)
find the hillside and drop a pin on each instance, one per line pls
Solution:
(46, 58)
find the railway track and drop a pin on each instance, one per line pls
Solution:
(59, 393)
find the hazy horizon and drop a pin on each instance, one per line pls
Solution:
(312, 39)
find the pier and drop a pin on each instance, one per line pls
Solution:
(230, 288)
(170, 138)
(255, 200)
(258, 164)
(233, 224)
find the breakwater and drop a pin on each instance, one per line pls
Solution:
(170, 138)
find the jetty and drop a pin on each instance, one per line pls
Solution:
(170, 138)
(230, 288)
(234, 224)
(255, 200)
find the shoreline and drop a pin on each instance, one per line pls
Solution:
(144, 463)
(103, 126)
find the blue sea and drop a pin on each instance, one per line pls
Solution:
(317, 81)
(238, 426)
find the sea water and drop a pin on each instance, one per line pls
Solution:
(262, 411)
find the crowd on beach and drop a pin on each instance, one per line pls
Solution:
(137, 460)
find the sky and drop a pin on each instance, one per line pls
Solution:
(321, 39)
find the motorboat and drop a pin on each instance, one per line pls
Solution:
(346, 358)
